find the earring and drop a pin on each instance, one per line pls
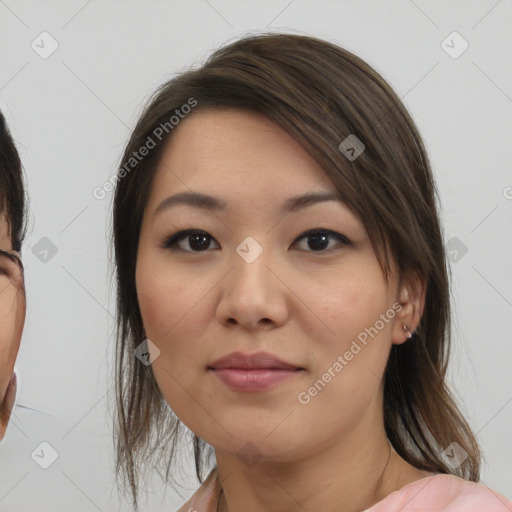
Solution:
(406, 329)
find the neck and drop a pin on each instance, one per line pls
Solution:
(350, 475)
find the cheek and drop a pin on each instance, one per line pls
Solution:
(161, 298)
(173, 311)
(366, 326)
(351, 327)
(346, 304)
(174, 321)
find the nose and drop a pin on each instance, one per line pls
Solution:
(253, 295)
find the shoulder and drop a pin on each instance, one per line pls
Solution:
(444, 493)
(206, 497)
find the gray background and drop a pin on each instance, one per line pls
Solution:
(71, 114)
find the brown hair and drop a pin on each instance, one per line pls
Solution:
(12, 191)
(320, 94)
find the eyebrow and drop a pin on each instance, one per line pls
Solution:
(204, 201)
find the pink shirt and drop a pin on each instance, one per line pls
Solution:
(438, 493)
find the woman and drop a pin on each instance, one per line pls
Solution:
(282, 283)
(12, 287)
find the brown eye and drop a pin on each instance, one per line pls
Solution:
(197, 241)
(318, 240)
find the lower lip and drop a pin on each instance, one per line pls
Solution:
(254, 380)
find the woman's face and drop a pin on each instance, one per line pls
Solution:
(12, 318)
(255, 282)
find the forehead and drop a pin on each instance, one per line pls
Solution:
(236, 148)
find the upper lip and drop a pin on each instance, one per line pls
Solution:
(259, 360)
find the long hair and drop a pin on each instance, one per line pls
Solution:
(320, 94)
(12, 189)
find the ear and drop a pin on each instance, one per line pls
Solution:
(411, 297)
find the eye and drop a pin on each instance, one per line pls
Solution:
(191, 240)
(197, 240)
(318, 239)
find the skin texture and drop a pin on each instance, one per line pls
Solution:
(12, 319)
(304, 306)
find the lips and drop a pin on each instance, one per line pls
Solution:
(257, 361)
(253, 372)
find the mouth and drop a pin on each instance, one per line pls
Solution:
(253, 372)
(254, 379)
(257, 361)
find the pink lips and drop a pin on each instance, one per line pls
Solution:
(253, 372)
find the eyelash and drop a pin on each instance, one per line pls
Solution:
(170, 242)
